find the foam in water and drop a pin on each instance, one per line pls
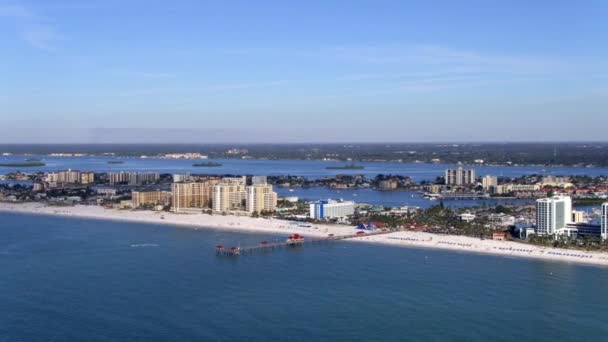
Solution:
(144, 245)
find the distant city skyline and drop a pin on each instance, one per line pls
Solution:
(269, 71)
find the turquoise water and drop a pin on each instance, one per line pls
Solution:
(75, 280)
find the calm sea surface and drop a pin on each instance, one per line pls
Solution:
(306, 168)
(84, 280)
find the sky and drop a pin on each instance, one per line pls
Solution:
(102, 71)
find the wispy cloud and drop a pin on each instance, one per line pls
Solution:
(33, 28)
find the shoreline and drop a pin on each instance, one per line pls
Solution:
(277, 226)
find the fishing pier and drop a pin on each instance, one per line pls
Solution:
(294, 240)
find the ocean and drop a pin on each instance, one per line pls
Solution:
(67, 279)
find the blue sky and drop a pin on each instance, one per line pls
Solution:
(308, 71)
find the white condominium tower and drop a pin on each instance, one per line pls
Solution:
(459, 176)
(605, 220)
(488, 182)
(552, 214)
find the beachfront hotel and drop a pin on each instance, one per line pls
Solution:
(604, 221)
(331, 209)
(553, 214)
(191, 195)
(229, 194)
(260, 197)
(156, 197)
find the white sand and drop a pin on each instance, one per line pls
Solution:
(229, 222)
(263, 225)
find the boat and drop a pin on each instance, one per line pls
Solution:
(295, 239)
(115, 162)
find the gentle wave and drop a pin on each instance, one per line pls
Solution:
(144, 245)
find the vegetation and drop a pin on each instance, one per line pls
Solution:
(24, 164)
(587, 243)
(580, 154)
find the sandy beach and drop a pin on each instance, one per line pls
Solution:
(264, 225)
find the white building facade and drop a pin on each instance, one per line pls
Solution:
(552, 214)
(488, 182)
(332, 209)
(459, 176)
(605, 221)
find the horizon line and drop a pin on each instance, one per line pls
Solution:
(316, 143)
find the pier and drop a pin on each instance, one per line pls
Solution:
(294, 240)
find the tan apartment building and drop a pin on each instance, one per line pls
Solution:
(157, 197)
(189, 195)
(87, 177)
(230, 195)
(260, 197)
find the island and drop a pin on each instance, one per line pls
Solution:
(23, 164)
(346, 167)
(208, 164)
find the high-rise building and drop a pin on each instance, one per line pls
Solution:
(141, 198)
(69, 176)
(260, 197)
(117, 177)
(605, 221)
(332, 209)
(489, 182)
(192, 195)
(578, 216)
(133, 178)
(459, 176)
(552, 214)
(87, 177)
(52, 177)
(230, 195)
(141, 178)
